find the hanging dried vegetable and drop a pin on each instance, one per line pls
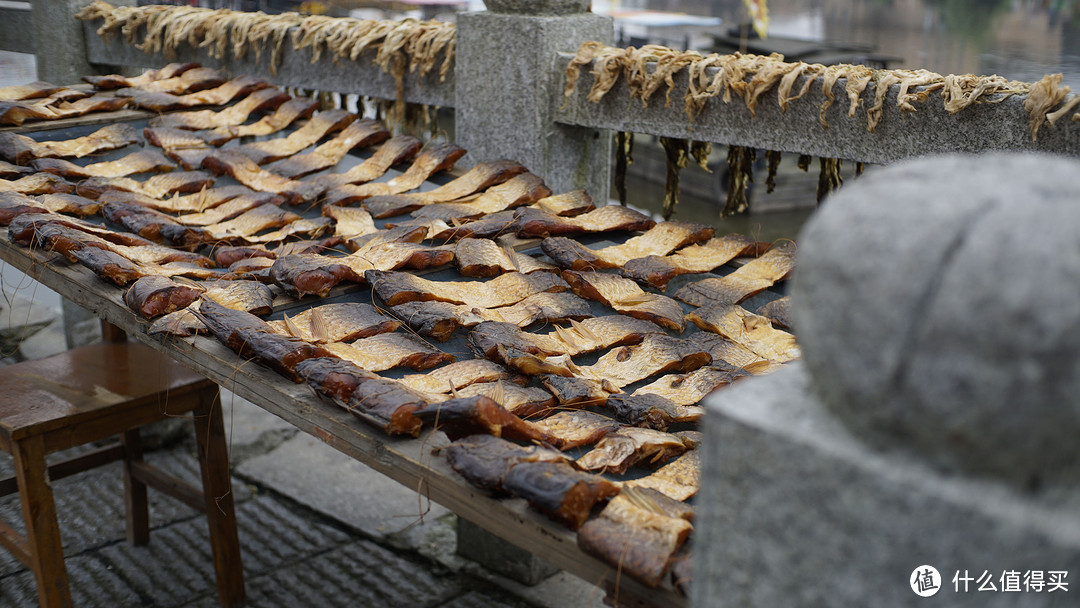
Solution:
(678, 156)
(804, 161)
(772, 157)
(829, 179)
(701, 150)
(624, 156)
(740, 175)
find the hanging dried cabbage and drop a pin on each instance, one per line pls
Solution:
(829, 179)
(740, 176)
(772, 157)
(678, 156)
(804, 161)
(701, 150)
(624, 156)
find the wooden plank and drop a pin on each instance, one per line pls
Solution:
(411, 462)
(94, 118)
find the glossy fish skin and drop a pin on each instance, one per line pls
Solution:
(69, 204)
(657, 353)
(628, 446)
(309, 274)
(479, 415)
(13, 204)
(660, 239)
(639, 541)
(360, 134)
(658, 270)
(576, 428)
(485, 258)
(399, 287)
(484, 460)
(108, 265)
(456, 376)
(559, 491)
(751, 331)
(650, 411)
(480, 177)
(227, 256)
(522, 401)
(321, 125)
(688, 389)
(432, 159)
(774, 265)
(533, 222)
(154, 296)
(778, 312)
(279, 353)
(439, 319)
(332, 377)
(387, 405)
(626, 297)
(387, 351)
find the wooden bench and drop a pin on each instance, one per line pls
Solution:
(90, 394)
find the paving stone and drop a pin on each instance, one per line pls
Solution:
(476, 599)
(314, 474)
(93, 583)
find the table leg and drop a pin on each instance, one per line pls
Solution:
(42, 530)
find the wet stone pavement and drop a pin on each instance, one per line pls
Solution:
(316, 527)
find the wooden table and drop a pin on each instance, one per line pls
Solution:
(407, 461)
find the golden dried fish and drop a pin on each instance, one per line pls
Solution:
(628, 446)
(386, 351)
(659, 270)
(581, 337)
(10, 171)
(158, 186)
(522, 401)
(722, 349)
(233, 163)
(396, 150)
(252, 222)
(237, 114)
(657, 353)
(350, 222)
(173, 140)
(70, 204)
(688, 389)
(321, 125)
(398, 287)
(523, 189)
(38, 183)
(360, 134)
(116, 81)
(679, 479)
(576, 428)
(636, 536)
(537, 223)
(575, 392)
(432, 159)
(14, 204)
(16, 112)
(31, 90)
(161, 102)
(438, 320)
(230, 209)
(198, 201)
(143, 161)
(661, 239)
(20, 149)
(286, 114)
(485, 258)
(343, 322)
(456, 376)
(751, 331)
(190, 81)
(626, 297)
(304, 228)
(305, 274)
(775, 265)
(479, 178)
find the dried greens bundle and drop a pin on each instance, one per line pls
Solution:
(678, 156)
(829, 179)
(773, 158)
(624, 156)
(740, 176)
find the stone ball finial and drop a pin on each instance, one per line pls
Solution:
(539, 7)
(937, 304)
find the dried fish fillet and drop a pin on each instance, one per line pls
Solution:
(396, 150)
(479, 415)
(576, 428)
(775, 265)
(485, 258)
(556, 489)
(650, 410)
(537, 223)
(233, 163)
(778, 312)
(38, 183)
(321, 125)
(438, 320)
(456, 376)
(751, 331)
(522, 401)
(230, 209)
(252, 222)
(688, 389)
(387, 405)
(661, 239)
(432, 159)
(157, 187)
(628, 446)
(286, 114)
(479, 178)
(389, 350)
(350, 222)
(143, 161)
(31, 90)
(116, 81)
(678, 480)
(523, 189)
(484, 460)
(16, 112)
(658, 270)
(195, 202)
(341, 322)
(333, 377)
(69, 204)
(581, 337)
(262, 100)
(154, 296)
(657, 353)
(162, 102)
(626, 297)
(635, 536)
(398, 287)
(20, 149)
(360, 134)
(575, 392)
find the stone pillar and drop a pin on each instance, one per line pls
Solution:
(58, 40)
(933, 421)
(509, 83)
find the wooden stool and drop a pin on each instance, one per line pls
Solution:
(89, 394)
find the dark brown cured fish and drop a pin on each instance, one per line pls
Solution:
(650, 410)
(439, 320)
(154, 296)
(778, 311)
(332, 377)
(484, 460)
(538, 223)
(398, 287)
(14, 204)
(153, 225)
(10, 171)
(559, 491)
(478, 415)
(485, 258)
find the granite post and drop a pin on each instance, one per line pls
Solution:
(933, 420)
(58, 40)
(509, 85)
